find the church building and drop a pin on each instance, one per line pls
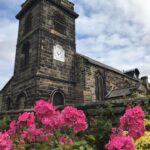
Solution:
(47, 65)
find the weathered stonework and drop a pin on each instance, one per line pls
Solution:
(41, 76)
(0, 100)
(86, 79)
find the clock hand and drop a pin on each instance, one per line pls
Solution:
(58, 53)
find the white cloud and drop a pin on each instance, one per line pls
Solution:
(118, 33)
(8, 36)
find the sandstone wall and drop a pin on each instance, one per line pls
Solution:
(0, 101)
(86, 79)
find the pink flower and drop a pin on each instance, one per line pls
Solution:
(75, 119)
(44, 109)
(12, 128)
(64, 141)
(35, 135)
(5, 142)
(80, 126)
(116, 132)
(54, 122)
(133, 122)
(26, 120)
(120, 143)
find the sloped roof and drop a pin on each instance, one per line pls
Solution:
(97, 63)
(120, 92)
(7, 84)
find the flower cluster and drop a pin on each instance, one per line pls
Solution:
(34, 135)
(5, 141)
(44, 109)
(133, 122)
(120, 142)
(26, 120)
(52, 119)
(131, 128)
(46, 126)
(75, 119)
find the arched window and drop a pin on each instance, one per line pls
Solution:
(59, 23)
(99, 87)
(8, 103)
(25, 54)
(58, 97)
(28, 24)
(21, 100)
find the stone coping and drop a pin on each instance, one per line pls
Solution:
(113, 103)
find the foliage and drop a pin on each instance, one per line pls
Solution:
(143, 143)
(147, 124)
(4, 123)
(131, 127)
(98, 135)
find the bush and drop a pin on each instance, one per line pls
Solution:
(4, 123)
(143, 143)
(98, 135)
(131, 128)
(45, 129)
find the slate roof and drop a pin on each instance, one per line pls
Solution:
(97, 63)
(120, 92)
(7, 84)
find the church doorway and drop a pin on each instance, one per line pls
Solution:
(58, 98)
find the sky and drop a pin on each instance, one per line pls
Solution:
(114, 32)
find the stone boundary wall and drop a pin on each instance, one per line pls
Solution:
(109, 109)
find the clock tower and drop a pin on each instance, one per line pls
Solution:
(45, 55)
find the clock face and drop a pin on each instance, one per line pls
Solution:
(59, 53)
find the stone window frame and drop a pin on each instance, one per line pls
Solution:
(59, 23)
(28, 23)
(100, 87)
(22, 95)
(60, 92)
(8, 103)
(25, 55)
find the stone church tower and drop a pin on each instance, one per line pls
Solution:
(48, 67)
(45, 55)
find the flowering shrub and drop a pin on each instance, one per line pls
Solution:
(75, 119)
(44, 109)
(120, 143)
(131, 128)
(143, 143)
(46, 129)
(49, 128)
(133, 122)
